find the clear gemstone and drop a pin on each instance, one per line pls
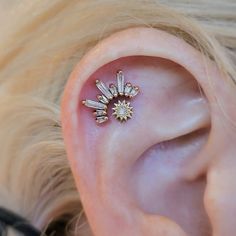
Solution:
(122, 110)
(104, 89)
(128, 88)
(113, 90)
(101, 119)
(120, 82)
(94, 104)
(103, 99)
(134, 91)
(100, 113)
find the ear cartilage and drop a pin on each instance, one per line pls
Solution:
(122, 110)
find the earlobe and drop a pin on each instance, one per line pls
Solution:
(130, 174)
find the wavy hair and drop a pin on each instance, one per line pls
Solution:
(40, 43)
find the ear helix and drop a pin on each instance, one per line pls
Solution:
(122, 110)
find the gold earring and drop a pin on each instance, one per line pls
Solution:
(122, 110)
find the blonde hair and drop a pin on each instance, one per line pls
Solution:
(40, 43)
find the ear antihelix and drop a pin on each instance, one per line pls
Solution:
(122, 109)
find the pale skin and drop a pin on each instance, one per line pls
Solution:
(130, 180)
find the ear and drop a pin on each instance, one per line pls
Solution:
(146, 176)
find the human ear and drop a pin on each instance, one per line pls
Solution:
(146, 176)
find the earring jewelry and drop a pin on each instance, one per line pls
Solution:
(122, 110)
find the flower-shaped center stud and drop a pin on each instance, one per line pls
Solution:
(122, 110)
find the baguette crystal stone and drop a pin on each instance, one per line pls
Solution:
(134, 91)
(102, 99)
(101, 119)
(113, 90)
(122, 110)
(120, 82)
(100, 113)
(94, 104)
(104, 89)
(128, 88)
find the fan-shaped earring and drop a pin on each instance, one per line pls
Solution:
(122, 110)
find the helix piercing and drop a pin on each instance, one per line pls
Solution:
(122, 110)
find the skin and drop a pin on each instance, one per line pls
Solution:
(170, 170)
